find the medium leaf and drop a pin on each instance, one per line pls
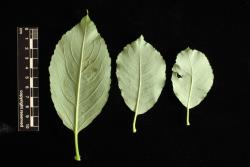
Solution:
(141, 76)
(80, 77)
(192, 78)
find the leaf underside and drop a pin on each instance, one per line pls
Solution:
(141, 75)
(80, 75)
(192, 77)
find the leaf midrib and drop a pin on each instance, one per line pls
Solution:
(139, 84)
(79, 84)
(138, 93)
(191, 84)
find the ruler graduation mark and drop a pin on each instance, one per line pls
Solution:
(27, 77)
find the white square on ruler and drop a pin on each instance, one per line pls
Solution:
(31, 43)
(31, 102)
(31, 121)
(31, 62)
(31, 82)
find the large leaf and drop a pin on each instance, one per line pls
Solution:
(80, 76)
(192, 78)
(141, 76)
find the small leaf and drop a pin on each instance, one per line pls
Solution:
(192, 78)
(141, 76)
(80, 77)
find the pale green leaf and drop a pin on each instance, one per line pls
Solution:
(141, 76)
(192, 78)
(80, 76)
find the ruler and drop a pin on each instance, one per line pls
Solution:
(27, 79)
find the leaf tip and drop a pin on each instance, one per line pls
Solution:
(87, 15)
(188, 48)
(141, 37)
(140, 40)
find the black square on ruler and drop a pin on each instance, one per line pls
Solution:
(35, 54)
(35, 111)
(35, 73)
(35, 81)
(35, 43)
(31, 54)
(35, 92)
(35, 102)
(35, 121)
(35, 62)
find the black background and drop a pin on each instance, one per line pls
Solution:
(220, 126)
